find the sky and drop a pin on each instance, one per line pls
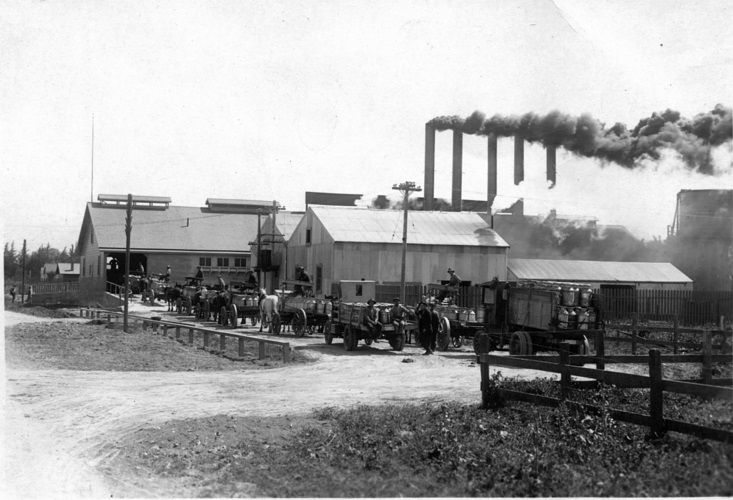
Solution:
(269, 99)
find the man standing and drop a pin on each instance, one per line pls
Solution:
(221, 282)
(434, 326)
(371, 321)
(425, 328)
(168, 274)
(12, 293)
(199, 273)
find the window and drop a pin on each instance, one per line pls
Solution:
(222, 261)
(240, 262)
(319, 277)
(307, 236)
(205, 261)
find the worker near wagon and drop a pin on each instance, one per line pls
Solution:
(434, 325)
(252, 279)
(300, 275)
(141, 269)
(398, 313)
(12, 293)
(424, 327)
(221, 283)
(453, 282)
(168, 273)
(199, 273)
(371, 321)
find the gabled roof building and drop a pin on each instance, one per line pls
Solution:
(342, 243)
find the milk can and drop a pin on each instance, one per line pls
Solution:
(582, 315)
(585, 295)
(562, 317)
(572, 319)
(480, 315)
(384, 316)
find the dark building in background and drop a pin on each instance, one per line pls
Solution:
(702, 234)
(333, 199)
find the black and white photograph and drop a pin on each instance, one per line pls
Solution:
(339, 248)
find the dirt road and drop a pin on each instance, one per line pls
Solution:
(65, 425)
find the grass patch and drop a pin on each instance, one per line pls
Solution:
(517, 450)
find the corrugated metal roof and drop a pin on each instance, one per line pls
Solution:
(363, 225)
(589, 270)
(285, 223)
(175, 228)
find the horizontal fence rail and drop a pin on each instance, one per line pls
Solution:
(205, 333)
(566, 365)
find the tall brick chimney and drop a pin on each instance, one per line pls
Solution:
(429, 200)
(491, 186)
(457, 170)
(551, 163)
(518, 159)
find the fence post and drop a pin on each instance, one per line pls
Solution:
(676, 334)
(262, 350)
(600, 350)
(241, 348)
(190, 335)
(707, 353)
(634, 330)
(206, 340)
(483, 343)
(656, 394)
(286, 353)
(564, 374)
(178, 333)
(165, 330)
(222, 343)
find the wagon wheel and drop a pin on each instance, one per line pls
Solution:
(223, 315)
(233, 315)
(188, 305)
(444, 334)
(476, 346)
(327, 333)
(520, 344)
(514, 344)
(276, 323)
(299, 322)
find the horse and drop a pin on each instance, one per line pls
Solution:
(220, 300)
(172, 295)
(268, 309)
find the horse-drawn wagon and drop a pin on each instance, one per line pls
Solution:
(347, 318)
(242, 303)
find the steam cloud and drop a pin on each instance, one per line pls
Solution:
(583, 135)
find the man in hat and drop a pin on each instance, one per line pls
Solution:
(453, 282)
(199, 273)
(252, 278)
(398, 312)
(371, 320)
(424, 327)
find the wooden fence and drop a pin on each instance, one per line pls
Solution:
(45, 294)
(565, 365)
(205, 334)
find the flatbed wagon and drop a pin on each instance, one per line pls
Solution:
(347, 318)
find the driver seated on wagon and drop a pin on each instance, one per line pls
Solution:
(301, 275)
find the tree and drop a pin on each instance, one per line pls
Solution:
(10, 260)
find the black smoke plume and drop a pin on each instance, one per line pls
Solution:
(583, 135)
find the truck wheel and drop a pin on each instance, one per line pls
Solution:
(476, 346)
(520, 344)
(233, 315)
(443, 334)
(368, 341)
(398, 341)
(350, 340)
(327, 334)
(457, 341)
(299, 322)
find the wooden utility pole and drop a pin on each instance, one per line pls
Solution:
(405, 188)
(128, 230)
(22, 278)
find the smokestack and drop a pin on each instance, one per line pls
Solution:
(551, 163)
(457, 169)
(429, 199)
(518, 159)
(491, 189)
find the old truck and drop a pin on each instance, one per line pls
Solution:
(527, 317)
(346, 318)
